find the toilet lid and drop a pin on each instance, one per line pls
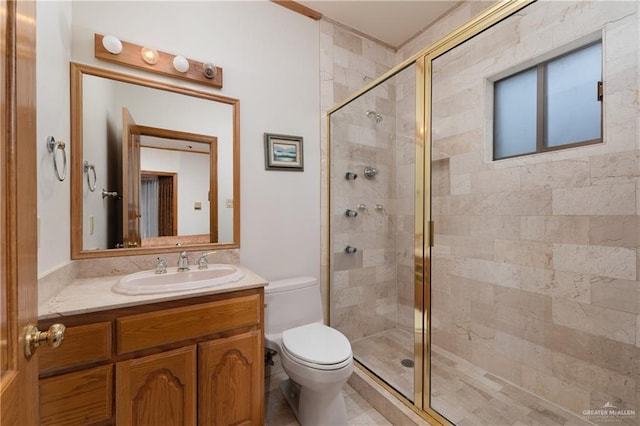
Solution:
(317, 344)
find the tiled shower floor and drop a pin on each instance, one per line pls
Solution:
(462, 392)
(382, 353)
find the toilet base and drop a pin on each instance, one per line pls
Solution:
(290, 390)
(312, 408)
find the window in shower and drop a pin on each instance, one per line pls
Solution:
(556, 104)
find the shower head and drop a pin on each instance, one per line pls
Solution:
(375, 115)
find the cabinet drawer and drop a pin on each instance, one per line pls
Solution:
(82, 345)
(148, 330)
(78, 398)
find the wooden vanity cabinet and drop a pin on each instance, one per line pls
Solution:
(197, 360)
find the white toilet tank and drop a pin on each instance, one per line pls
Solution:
(290, 303)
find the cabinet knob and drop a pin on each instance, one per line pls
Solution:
(34, 337)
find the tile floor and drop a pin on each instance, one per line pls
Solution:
(359, 412)
(462, 392)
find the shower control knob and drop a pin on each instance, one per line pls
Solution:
(350, 176)
(350, 250)
(370, 172)
(351, 213)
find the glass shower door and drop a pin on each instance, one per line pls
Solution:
(372, 228)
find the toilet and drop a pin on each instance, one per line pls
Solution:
(317, 358)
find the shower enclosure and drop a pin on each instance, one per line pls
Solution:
(495, 291)
(372, 224)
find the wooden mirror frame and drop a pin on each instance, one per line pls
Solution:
(77, 252)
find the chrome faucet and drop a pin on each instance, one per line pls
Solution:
(183, 262)
(161, 266)
(203, 262)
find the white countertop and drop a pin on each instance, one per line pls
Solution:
(94, 294)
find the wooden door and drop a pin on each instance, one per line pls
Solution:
(167, 204)
(157, 389)
(18, 244)
(167, 215)
(230, 381)
(130, 180)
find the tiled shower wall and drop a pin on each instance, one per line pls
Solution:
(348, 62)
(364, 296)
(535, 270)
(372, 290)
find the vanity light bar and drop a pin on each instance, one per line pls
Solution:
(130, 55)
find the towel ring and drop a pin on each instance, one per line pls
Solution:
(53, 146)
(90, 167)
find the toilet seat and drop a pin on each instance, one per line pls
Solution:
(317, 346)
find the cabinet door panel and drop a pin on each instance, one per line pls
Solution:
(230, 381)
(80, 398)
(157, 389)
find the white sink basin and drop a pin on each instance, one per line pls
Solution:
(148, 282)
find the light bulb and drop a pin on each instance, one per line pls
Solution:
(149, 55)
(209, 70)
(181, 64)
(112, 44)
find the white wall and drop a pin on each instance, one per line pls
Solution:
(270, 60)
(53, 51)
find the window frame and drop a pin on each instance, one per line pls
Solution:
(541, 106)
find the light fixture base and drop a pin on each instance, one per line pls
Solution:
(131, 57)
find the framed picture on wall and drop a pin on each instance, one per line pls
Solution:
(282, 152)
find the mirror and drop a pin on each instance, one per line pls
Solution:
(154, 167)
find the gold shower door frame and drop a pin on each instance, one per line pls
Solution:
(423, 237)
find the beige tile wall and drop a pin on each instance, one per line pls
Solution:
(371, 290)
(363, 294)
(364, 290)
(535, 272)
(347, 63)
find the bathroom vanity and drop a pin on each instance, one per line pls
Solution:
(176, 359)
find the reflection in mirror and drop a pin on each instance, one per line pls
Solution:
(172, 163)
(166, 166)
